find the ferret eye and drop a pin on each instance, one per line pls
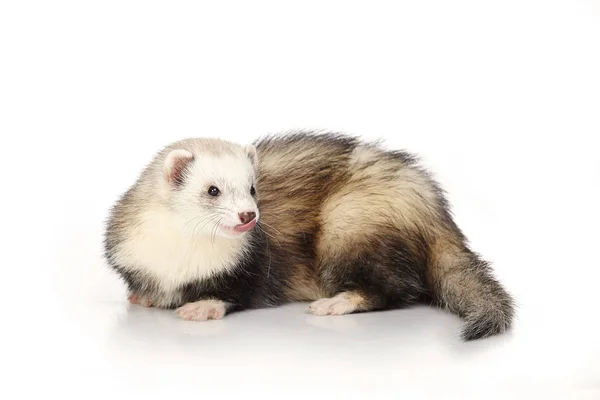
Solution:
(252, 191)
(214, 191)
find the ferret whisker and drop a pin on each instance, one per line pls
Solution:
(199, 221)
(194, 219)
(214, 231)
(268, 226)
(268, 234)
(205, 222)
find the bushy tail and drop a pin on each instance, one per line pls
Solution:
(463, 283)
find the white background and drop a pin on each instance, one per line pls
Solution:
(500, 99)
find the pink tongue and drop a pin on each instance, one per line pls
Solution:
(245, 227)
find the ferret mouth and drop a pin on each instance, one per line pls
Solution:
(245, 227)
(239, 229)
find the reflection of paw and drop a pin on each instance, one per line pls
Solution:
(202, 310)
(141, 300)
(343, 303)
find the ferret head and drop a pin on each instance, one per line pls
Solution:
(212, 187)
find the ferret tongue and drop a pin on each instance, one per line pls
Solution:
(245, 227)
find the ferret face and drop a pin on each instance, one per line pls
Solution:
(215, 195)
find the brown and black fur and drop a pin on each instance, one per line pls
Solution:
(341, 216)
(393, 257)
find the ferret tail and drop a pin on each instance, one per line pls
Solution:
(463, 283)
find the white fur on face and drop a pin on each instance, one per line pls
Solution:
(234, 176)
(158, 245)
(190, 238)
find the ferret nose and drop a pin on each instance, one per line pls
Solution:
(246, 217)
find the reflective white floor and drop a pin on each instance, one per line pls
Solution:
(115, 348)
(93, 341)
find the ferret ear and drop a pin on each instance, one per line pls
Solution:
(175, 165)
(251, 152)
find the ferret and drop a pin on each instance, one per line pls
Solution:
(212, 227)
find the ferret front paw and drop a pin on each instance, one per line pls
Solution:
(141, 300)
(202, 310)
